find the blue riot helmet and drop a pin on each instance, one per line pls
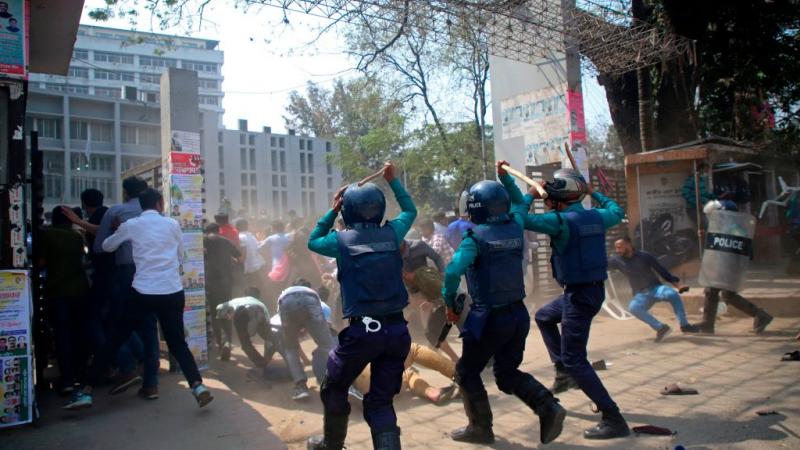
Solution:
(363, 204)
(568, 186)
(488, 202)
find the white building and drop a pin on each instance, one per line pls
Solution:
(89, 137)
(108, 62)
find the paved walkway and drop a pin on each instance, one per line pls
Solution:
(735, 372)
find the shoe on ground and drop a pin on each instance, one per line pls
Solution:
(473, 434)
(663, 332)
(608, 429)
(124, 382)
(202, 395)
(80, 400)
(148, 392)
(225, 352)
(300, 392)
(318, 443)
(761, 321)
(551, 422)
(563, 383)
(690, 329)
(702, 327)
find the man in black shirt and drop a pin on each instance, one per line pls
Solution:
(220, 255)
(642, 270)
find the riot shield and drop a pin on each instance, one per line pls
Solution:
(728, 247)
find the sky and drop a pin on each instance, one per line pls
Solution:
(266, 59)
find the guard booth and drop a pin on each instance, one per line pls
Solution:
(662, 222)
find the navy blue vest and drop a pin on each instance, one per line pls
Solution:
(584, 258)
(370, 272)
(495, 277)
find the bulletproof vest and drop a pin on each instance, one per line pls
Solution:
(370, 272)
(495, 277)
(584, 258)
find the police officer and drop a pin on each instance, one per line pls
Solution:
(498, 322)
(579, 263)
(369, 264)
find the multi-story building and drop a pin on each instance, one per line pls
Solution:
(108, 62)
(90, 137)
(271, 174)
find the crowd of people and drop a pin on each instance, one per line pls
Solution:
(376, 296)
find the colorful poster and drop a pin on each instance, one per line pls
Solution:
(185, 164)
(577, 123)
(193, 275)
(194, 324)
(538, 118)
(192, 247)
(13, 38)
(15, 337)
(195, 299)
(186, 201)
(184, 141)
(16, 390)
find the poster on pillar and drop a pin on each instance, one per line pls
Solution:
(184, 141)
(16, 385)
(186, 201)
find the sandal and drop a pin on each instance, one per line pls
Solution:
(674, 389)
(791, 356)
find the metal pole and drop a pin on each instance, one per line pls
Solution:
(639, 200)
(698, 217)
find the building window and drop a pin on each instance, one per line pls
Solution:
(77, 89)
(251, 139)
(310, 145)
(330, 183)
(222, 178)
(151, 78)
(242, 139)
(199, 66)
(78, 72)
(221, 156)
(48, 128)
(207, 84)
(284, 200)
(302, 144)
(275, 204)
(283, 181)
(274, 181)
(55, 87)
(253, 201)
(208, 100)
(107, 92)
(311, 182)
(116, 58)
(54, 186)
(274, 159)
(272, 141)
(283, 161)
(244, 179)
(253, 181)
(302, 162)
(304, 201)
(245, 198)
(310, 158)
(282, 142)
(327, 147)
(80, 53)
(243, 158)
(113, 76)
(128, 134)
(329, 168)
(79, 130)
(303, 182)
(312, 204)
(149, 97)
(153, 61)
(221, 195)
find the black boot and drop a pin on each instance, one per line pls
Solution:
(541, 401)
(479, 413)
(709, 311)
(335, 430)
(761, 321)
(563, 381)
(386, 440)
(611, 426)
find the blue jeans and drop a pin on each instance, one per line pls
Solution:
(574, 310)
(305, 312)
(644, 300)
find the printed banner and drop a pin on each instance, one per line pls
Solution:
(13, 38)
(16, 391)
(184, 164)
(195, 299)
(538, 117)
(184, 141)
(15, 313)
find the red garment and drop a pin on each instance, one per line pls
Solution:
(230, 233)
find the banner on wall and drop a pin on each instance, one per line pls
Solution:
(14, 38)
(186, 201)
(16, 384)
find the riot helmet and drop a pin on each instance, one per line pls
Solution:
(568, 186)
(363, 204)
(488, 202)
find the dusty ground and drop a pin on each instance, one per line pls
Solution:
(735, 372)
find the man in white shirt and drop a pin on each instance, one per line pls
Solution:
(157, 247)
(254, 263)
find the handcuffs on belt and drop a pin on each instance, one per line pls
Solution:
(368, 324)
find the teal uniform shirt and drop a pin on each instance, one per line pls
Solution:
(323, 240)
(547, 223)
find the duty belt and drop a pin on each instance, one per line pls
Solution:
(373, 324)
(506, 309)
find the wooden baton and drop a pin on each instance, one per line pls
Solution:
(571, 158)
(539, 189)
(370, 178)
